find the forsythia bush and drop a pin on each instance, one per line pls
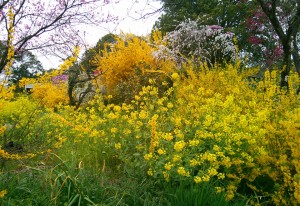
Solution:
(128, 65)
(6, 93)
(50, 95)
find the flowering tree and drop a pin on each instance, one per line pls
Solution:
(261, 42)
(284, 17)
(210, 44)
(48, 26)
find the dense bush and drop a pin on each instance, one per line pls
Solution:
(127, 65)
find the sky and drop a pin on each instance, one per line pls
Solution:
(130, 13)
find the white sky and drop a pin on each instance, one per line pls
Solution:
(129, 13)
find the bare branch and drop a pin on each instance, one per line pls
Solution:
(58, 19)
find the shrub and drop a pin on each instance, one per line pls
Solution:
(128, 65)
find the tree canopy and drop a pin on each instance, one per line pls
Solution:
(267, 32)
(27, 66)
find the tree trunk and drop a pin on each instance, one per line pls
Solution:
(73, 75)
(3, 60)
(295, 54)
(287, 64)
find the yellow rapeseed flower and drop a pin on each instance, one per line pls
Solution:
(166, 176)
(148, 156)
(118, 146)
(150, 172)
(113, 130)
(178, 146)
(167, 136)
(176, 158)
(197, 179)
(168, 166)
(181, 171)
(3, 193)
(161, 151)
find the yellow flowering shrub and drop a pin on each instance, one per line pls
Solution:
(6, 93)
(50, 95)
(128, 65)
(28, 129)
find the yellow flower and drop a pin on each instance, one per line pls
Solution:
(206, 178)
(117, 108)
(208, 120)
(168, 166)
(113, 130)
(127, 131)
(3, 193)
(170, 105)
(221, 176)
(118, 146)
(216, 148)
(150, 172)
(193, 143)
(154, 92)
(112, 115)
(143, 114)
(175, 76)
(167, 136)
(180, 135)
(212, 172)
(176, 158)
(148, 156)
(181, 171)
(166, 176)
(177, 121)
(164, 83)
(151, 81)
(197, 179)
(194, 162)
(161, 151)
(178, 146)
(219, 189)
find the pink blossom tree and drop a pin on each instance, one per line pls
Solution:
(51, 27)
(284, 18)
(209, 43)
(262, 45)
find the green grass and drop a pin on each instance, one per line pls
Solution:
(52, 181)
